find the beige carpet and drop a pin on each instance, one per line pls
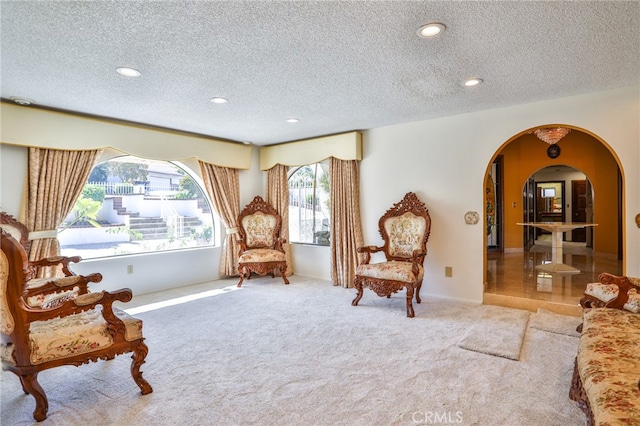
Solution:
(270, 354)
(496, 331)
(555, 323)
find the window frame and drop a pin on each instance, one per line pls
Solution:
(206, 234)
(316, 184)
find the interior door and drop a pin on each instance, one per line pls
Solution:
(579, 209)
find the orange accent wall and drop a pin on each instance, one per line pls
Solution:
(525, 155)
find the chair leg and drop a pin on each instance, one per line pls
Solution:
(283, 273)
(241, 271)
(358, 285)
(410, 312)
(139, 354)
(418, 287)
(31, 386)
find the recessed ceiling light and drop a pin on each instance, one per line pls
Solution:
(473, 82)
(219, 100)
(292, 120)
(128, 72)
(21, 101)
(431, 30)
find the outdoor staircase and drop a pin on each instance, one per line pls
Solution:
(154, 228)
(117, 206)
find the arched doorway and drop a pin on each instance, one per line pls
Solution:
(511, 259)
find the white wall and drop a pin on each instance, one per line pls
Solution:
(13, 175)
(444, 162)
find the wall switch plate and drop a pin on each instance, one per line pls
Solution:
(448, 271)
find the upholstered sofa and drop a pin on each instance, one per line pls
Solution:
(606, 377)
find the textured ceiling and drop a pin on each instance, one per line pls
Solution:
(336, 66)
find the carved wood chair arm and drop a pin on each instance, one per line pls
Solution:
(77, 305)
(279, 244)
(368, 250)
(242, 244)
(56, 284)
(57, 260)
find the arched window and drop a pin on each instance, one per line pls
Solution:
(309, 204)
(133, 205)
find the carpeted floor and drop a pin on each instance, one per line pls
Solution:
(497, 331)
(270, 354)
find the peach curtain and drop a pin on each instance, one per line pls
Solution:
(278, 197)
(346, 229)
(55, 182)
(223, 186)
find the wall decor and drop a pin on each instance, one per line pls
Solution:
(471, 218)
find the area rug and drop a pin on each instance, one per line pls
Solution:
(498, 331)
(555, 323)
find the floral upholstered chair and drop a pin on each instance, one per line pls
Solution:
(72, 331)
(604, 293)
(261, 249)
(405, 229)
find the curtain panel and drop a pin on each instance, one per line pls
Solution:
(278, 197)
(346, 228)
(55, 182)
(223, 186)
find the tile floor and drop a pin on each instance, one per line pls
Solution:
(512, 279)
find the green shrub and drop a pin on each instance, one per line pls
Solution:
(94, 192)
(183, 195)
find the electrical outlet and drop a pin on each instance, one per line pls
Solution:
(129, 269)
(448, 271)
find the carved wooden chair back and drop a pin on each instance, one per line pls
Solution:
(16, 229)
(405, 228)
(73, 331)
(261, 247)
(259, 225)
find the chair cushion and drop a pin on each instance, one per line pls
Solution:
(608, 361)
(406, 234)
(633, 304)
(604, 292)
(261, 255)
(392, 270)
(53, 299)
(76, 334)
(259, 229)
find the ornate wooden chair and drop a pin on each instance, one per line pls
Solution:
(405, 229)
(261, 248)
(70, 331)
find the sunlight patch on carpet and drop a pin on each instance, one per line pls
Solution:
(179, 300)
(498, 332)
